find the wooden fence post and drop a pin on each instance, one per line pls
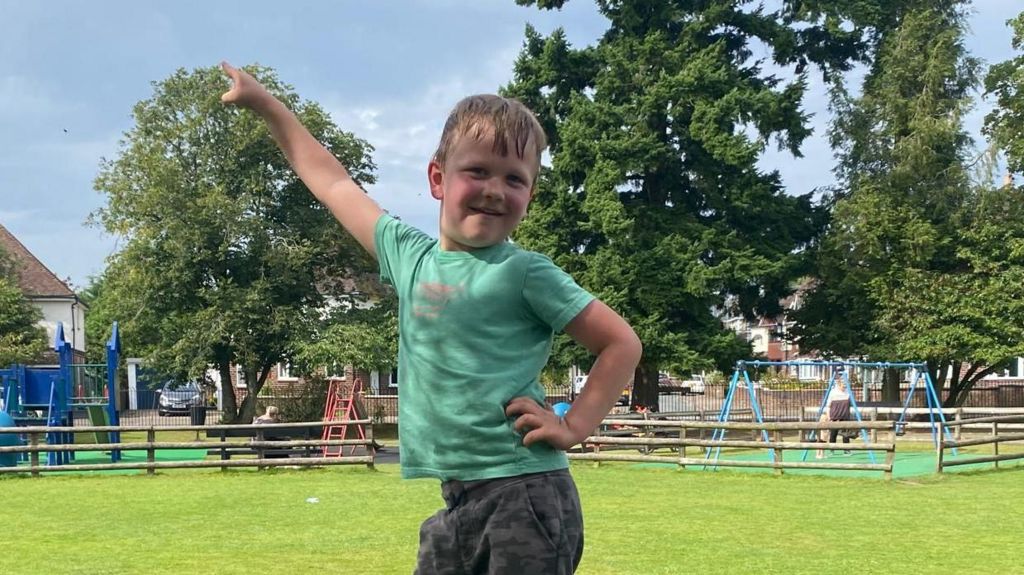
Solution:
(151, 451)
(777, 451)
(890, 453)
(959, 419)
(369, 445)
(259, 449)
(648, 433)
(33, 440)
(995, 444)
(682, 447)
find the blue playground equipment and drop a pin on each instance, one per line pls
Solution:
(918, 375)
(48, 395)
(8, 440)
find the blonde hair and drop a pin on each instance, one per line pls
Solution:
(510, 124)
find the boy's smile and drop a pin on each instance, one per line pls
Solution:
(483, 194)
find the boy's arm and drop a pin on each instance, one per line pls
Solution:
(322, 173)
(618, 350)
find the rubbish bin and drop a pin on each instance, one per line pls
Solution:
(198, 414)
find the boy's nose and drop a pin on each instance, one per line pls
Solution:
(493, 190)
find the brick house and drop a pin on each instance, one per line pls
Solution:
(57, 301)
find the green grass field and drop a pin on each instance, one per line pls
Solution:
(638, 520)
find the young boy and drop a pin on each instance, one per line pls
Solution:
(476, 317)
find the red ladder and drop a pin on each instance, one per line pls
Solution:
(341, 407)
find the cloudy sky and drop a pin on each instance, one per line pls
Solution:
(387, 70)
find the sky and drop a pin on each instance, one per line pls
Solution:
(387, 70)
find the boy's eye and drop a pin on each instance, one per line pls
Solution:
(516, 181)
(476, 172)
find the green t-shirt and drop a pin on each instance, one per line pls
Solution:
(475, 331)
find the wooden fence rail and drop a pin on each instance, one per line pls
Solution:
(649, 435)
(994, 439)
(36, 445)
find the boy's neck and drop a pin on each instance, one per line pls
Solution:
(447, 244)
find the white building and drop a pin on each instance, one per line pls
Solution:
(49, 293)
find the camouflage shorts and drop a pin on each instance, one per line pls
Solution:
(528, 524)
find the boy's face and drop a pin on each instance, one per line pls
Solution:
(483, 195)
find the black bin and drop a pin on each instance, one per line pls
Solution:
(198, 415)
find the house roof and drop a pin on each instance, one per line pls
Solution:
(34, 278)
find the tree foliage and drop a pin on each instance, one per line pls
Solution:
(22, 339)
(1005, 80)
(227, 258)
(362, 337)
(912, 266)
(654, 200)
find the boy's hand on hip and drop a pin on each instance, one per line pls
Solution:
(540, 423)
(245, 90)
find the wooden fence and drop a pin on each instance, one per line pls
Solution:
(36, 445)
(995, 423)
(648, 435)
(957, 418)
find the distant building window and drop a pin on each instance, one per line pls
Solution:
(335, 370)
(393, 378)
(809, 372)
(240, 377)
(284, 372)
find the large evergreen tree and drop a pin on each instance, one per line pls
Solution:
(911, 267)
(228, 260)
(654, 200)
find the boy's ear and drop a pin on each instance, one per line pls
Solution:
(435, 178)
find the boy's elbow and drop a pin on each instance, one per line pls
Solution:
(634, 348)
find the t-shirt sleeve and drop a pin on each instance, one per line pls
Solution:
(551, 294)
(395, 242)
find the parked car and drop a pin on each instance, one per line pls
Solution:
(177, 398)
(692, 386)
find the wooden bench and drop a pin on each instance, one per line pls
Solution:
(227, 449)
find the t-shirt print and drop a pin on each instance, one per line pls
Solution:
(432, 298)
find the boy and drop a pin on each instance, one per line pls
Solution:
(476, 317)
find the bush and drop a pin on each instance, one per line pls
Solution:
(776, 380)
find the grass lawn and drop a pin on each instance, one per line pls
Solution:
(638, 520)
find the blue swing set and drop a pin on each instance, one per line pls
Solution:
(919, 376)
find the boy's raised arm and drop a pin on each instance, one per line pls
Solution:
(322, 173)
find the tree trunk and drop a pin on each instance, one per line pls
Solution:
(645, 386)
(227, 391)
(891, 385)
(247, 411)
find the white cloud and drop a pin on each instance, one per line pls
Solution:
(404, 132)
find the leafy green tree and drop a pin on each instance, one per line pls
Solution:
(914, 265)
(654, 200)
(22, 339)
(1005, 124)
(362, 337)
(228, 260)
